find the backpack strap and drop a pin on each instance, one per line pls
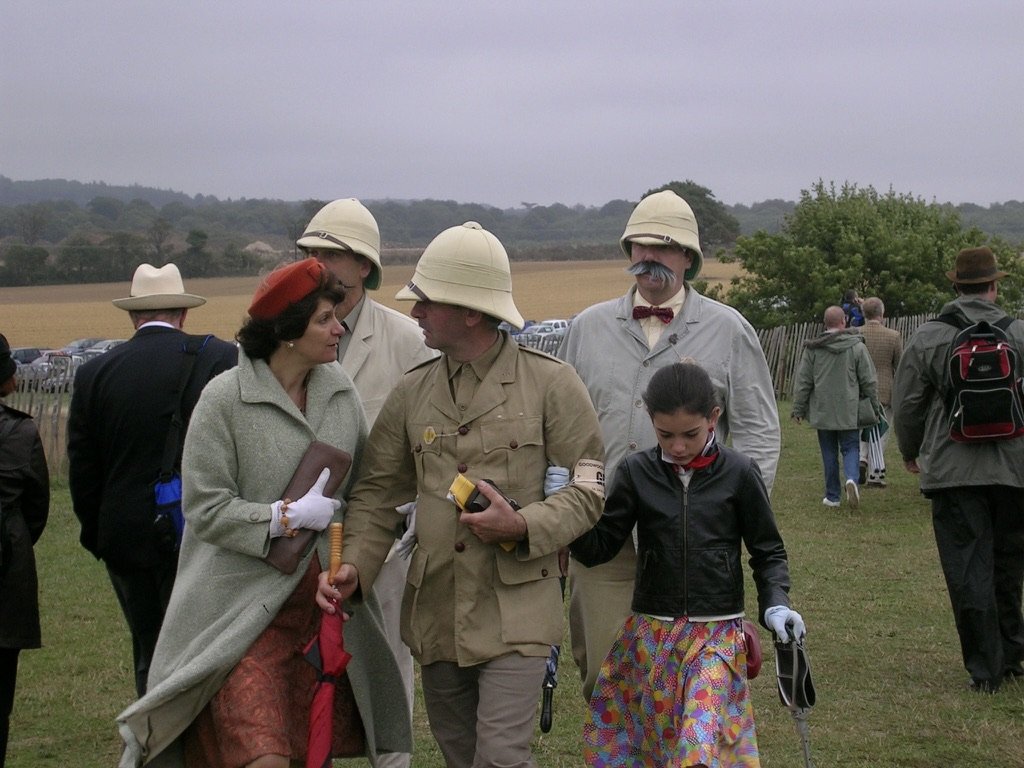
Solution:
(950, 318)
(193, 347)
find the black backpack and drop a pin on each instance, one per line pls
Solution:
(984, 395)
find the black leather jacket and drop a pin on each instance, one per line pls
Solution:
(689, 554)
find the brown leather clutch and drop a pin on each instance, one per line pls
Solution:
(286, 552)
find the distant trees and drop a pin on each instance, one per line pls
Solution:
(798, 255)
(893, 246)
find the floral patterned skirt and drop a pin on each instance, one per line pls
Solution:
(673, 693)
(263, 706)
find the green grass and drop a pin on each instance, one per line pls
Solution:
(884, 654)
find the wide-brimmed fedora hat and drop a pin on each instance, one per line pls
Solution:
(975, 265)
(158, 288)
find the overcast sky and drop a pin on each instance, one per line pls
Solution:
(538, 101)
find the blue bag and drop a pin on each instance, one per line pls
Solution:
(169, 523)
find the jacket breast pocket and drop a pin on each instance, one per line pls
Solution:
(426, 450)
(513, 449)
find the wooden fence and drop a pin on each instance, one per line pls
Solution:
(47, 399)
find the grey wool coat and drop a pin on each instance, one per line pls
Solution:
(244, 441)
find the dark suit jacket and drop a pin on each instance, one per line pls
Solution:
(121, 410)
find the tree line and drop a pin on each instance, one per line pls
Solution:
(798, 257)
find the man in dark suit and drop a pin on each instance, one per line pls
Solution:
(121, 411)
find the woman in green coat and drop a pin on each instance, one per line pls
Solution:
(229, 685)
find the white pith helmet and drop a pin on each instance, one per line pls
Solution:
(664, 218)
(466, 266)
(346, 225)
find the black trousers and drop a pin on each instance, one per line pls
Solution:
(8, 678)
(143, 595)
(979, 531)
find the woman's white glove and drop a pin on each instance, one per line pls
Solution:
(555, 479)
(407, 543)
(314, 510)
(785, 623)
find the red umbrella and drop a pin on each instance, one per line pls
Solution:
(327, 653)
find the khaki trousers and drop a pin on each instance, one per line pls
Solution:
(599, 602)
(484, 716)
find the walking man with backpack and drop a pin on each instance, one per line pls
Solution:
(962, 438)
(124, 405)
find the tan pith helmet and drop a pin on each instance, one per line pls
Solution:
(346, 225)
(664, 218)
(466, 266)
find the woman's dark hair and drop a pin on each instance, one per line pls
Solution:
(681, 386)
(259, 338)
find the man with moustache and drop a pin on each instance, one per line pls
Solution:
(616, 346)
(379, 345)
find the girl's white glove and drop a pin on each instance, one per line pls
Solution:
(786, 623)
(314, 510)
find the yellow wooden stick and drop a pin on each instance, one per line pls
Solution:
(337, 529)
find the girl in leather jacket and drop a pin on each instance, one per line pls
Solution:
(674, 685)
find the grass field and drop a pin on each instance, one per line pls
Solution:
(886, 664)
(52, 315)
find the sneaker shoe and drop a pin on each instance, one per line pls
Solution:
(877, 483)
(829, 503)
(852, 494)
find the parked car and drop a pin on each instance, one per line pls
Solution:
(25, 355)
(53, 371)
(100, 347)
(558, 325)
(78, 346)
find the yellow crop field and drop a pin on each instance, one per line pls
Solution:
(52, 315)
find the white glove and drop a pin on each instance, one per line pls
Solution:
(555, 479)
(407, 543)
(785, 623)
(314, 510)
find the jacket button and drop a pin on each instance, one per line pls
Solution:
(514, 444)
(254, 516)
(463, 430)
(418, 448)
(459, 546)
(462, 468)
(543, 571)
(632, 445)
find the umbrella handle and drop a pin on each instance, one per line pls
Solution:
(337, 529)
(545, 708)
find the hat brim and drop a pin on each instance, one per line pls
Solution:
(997, 275)
(160, 301)
(494, 303)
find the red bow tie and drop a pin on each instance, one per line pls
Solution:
(664, 314)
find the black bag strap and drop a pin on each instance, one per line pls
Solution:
(192, 348)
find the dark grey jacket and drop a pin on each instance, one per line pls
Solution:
(689, 555)
(920, 417)
(24, 507)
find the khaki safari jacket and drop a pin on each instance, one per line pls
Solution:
(466, 601)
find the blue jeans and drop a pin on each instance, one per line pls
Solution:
(833, 442)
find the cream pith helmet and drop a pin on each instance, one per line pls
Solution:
(664, 218)
(466, 266)
(346, 225)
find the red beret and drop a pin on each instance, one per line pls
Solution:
(286, 285)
